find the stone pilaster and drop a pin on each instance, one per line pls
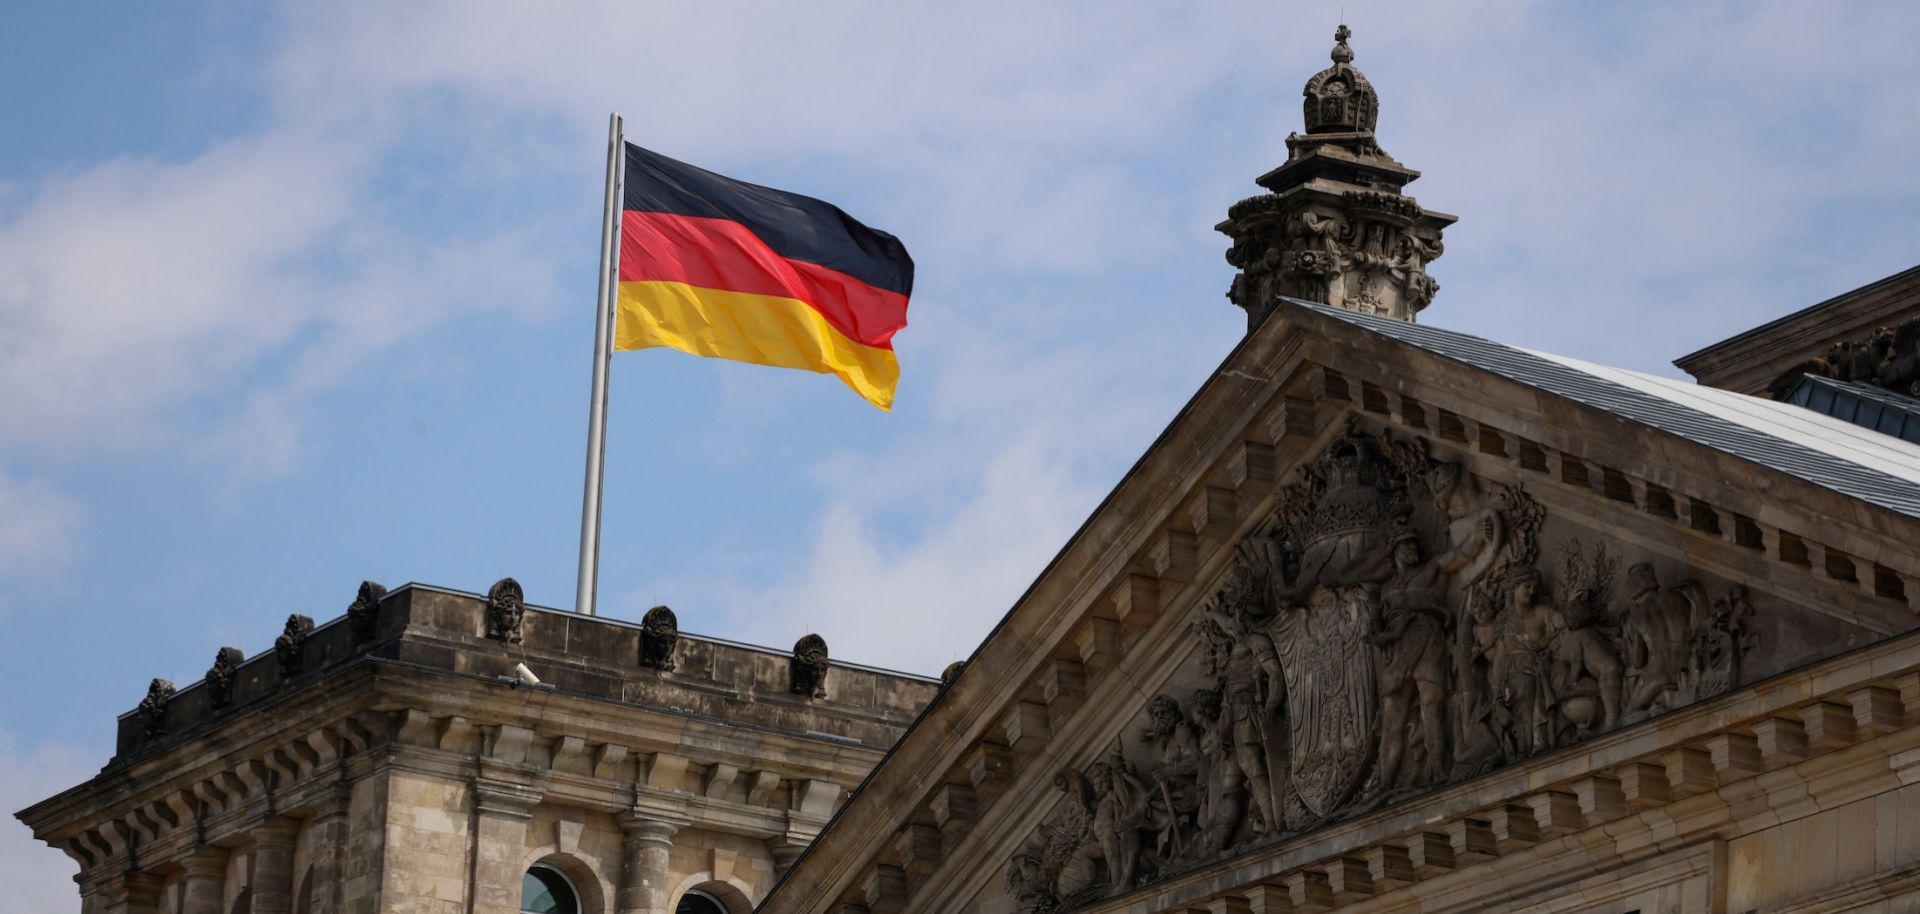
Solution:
(327, 843)
(504, 811)
(203, 881)
(273, 865)
(132, 893)
(644, 879)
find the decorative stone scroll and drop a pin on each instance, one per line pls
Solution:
(287, 649)
(807, 670)
(153, 708)
(221, 676)
(506, 607)
(1393, 628)
(363, 615)
(659, 633)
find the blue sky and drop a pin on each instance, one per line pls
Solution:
(293, 295)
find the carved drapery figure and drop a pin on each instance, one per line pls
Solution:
(153, 708)
(1252, 687)
(1412, 662)
(221, 676)
(506, 609)
(659, 633)
(288, 648)
(1522, 658)
(807, 669)
(364, 613)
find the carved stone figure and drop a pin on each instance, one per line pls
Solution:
(1658, 634)
(1587, 670)
(659, 633)
(1177, 778)
(1412, 663)
(1062, 865)
(1718, 643)
(1253, 688)
(1122, 810)
(153, 708)
(506, 608)
(1522, 660)
(807, 670)
(364, 613)
(221, 676)
(288, 647)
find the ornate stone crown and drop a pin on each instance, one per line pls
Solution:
(1339, 99)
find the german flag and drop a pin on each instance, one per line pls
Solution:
(732, 270)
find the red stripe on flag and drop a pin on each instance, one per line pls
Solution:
(718, 254)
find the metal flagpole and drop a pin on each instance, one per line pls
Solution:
(589, 581)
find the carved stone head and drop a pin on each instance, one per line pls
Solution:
(1640, 579)
(1165, 712)
(659, 632)
(506, 606)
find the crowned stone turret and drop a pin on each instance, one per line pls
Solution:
(1334, 226)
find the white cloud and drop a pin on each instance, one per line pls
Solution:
(37, 878)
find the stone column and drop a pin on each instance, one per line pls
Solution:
(203, 882)
(644, 878)
(273, 865)
(504, 811)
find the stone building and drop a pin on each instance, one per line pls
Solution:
(1393, 618)
(435, 751)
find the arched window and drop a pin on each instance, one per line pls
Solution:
(544, 891)
(698, 902)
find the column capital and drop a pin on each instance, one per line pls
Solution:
(275, 831)
(205, 862)
(646, 827)
(504, 798)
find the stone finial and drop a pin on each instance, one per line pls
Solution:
(952, 672)
(1335, 227)
(363, 615)
(506, 607)
(287, 648)
(222, 675)
(807, 671)
(153, 708)
(659, 632)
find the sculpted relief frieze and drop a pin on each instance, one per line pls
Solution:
(1400, 624)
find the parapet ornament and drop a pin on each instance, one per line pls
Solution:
(287, 649)
(807, 670)
(506, 607)
(659, 633)
(153, 708)
(221, 676)
(1392, 629)
(363, 615)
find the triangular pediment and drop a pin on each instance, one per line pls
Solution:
(1355, 571)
